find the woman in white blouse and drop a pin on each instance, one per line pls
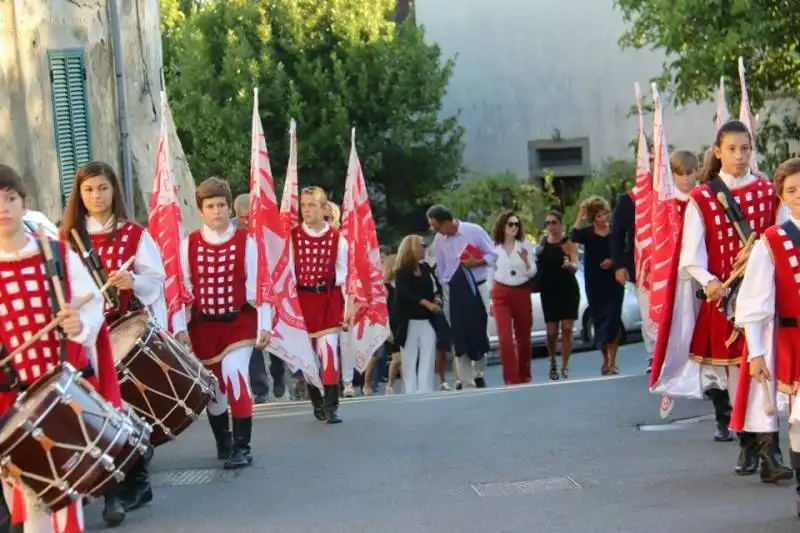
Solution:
(511, 297)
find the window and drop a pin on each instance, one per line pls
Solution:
(70, 113)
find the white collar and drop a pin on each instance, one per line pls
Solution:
(732, 182)
(215, 237)
(94, 226)
(315, 233)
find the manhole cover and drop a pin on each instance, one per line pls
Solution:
(197, 476)
(531, 486)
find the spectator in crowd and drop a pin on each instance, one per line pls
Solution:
(418, 300)
(511, 297)
(464, 254)
(377, 364)
(258, 367)
(593, 230)
(557, 262)
(443, 353)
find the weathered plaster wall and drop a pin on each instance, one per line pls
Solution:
(28, 28)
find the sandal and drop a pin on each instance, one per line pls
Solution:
(613, 370)
(553, 371)
(564, 372)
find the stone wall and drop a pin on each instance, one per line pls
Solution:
(28, 29)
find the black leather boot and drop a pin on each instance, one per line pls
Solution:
(136, 491)
(794, 457)
(240, 455)
(747, 465)
(332, 404)
(222, 434)
(316, 401)
(113, 510)
(722, 413)
(772, 468)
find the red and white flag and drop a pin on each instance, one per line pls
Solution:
(166, 224)
(722, 115)
(290, 210)
(642, 198)
(366, 293)
(746, 115)
(666, 221)
(276, 280)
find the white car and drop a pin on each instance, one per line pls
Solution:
(583, 330)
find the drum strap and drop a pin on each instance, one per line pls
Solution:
(734, 211)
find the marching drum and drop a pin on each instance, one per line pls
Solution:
(62, 441)
(159, 379)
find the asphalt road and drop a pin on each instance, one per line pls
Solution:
(556, 457)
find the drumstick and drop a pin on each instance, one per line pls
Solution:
(123, 268)
(85, 253)
(54, 279)
(769, 409)
(56, 322)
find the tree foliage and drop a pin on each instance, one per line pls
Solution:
(330, 65)
(618, 176)
(704, 38)
(481, 199)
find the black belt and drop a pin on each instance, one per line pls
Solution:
(227, 317)
(319, 289)
(787, 322)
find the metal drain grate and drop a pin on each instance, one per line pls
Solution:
(531, 486)
(196, 476)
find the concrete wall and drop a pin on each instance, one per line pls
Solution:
(28, 28)
(528, 67)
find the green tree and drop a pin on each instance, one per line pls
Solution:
(482, 198)
(704, 39)
(331, 65)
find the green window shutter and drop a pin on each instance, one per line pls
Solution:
(70, 114)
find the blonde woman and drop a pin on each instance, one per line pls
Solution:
(592, 229)
(418, 301)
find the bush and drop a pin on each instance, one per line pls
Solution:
(618, 176)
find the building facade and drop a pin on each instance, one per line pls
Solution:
(59, 105)
(543, 84)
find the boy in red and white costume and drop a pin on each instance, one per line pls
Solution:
(221, 263)
(768, 309)
(320, 261)
(24, 310)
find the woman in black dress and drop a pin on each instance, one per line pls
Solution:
(605, 294)
(557, 261)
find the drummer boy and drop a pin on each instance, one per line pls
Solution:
(24, 310)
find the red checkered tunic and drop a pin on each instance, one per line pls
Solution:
(315, 257)
(715, 341)
(114, 250)
(315, 266)
(25, 309)
(218, 274)
(787, 302)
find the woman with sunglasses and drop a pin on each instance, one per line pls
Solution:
(557, 262)
(511, 298)
(593, 230)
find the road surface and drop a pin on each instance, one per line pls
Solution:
(567, 457)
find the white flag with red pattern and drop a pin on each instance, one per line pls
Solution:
(290, 211)
(364, 288)
(746, 115)
(165, 224)
(666, 221)
(642, 198)
(722, 115)
(276, 279)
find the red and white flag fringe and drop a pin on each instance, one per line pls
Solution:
(722, 115)
(276, 279)
(366, 293)
(642, 198)
(666, 220)
(290, 211)
(746, 115)
(166, 224)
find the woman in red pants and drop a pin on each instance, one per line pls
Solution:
(511, 298)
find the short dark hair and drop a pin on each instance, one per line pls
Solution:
(557, 214)
(788, 168)
(10, 180)
(439, 213)
(213, 187)
(499, 230)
